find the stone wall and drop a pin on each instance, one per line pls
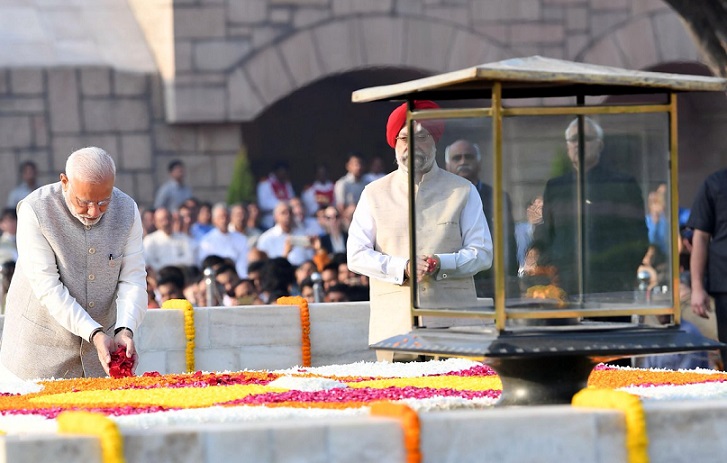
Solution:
(220, 64)
(244, 56)
(45, 114)
(254, 337)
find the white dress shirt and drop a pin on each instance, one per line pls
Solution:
(475, 254)
(272, 243)
(39, 259)
(230, 244)
(161, 250)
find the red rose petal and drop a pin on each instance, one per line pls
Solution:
(120, 366)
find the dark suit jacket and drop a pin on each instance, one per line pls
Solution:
(485, 280)
(326, 242)
(615, 238)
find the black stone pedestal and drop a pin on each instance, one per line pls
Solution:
(548, 365)
(541, 380)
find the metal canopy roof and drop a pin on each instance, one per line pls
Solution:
(537, 76)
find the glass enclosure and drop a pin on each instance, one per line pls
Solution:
(568, 245)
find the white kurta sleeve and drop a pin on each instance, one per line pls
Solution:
(131, 300)
(362, 257)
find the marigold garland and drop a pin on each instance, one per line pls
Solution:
(409, 424)
(95, 424)
(189, 332)
(637, 439)
(302, 303)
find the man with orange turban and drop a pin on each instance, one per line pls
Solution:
(452, 238)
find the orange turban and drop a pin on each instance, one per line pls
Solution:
(397, 119)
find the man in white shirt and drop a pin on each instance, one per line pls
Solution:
(453, 240)
(222, 242)
(79, 288)
(275, 188)
(165, 247)
(320, 194)
(284, 240)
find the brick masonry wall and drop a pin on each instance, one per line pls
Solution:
(45, 114)
(234, 59)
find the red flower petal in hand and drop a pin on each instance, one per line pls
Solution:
(120, 366)
(431, 264)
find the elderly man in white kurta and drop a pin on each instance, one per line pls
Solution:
(451, 231)
(222, 242)
(79, 289)
(165, 247)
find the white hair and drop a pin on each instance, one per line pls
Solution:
(90, 164)
(220, 206)
(586, 120)
(474, 145)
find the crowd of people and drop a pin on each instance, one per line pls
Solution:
(80, 277)
(285, 244)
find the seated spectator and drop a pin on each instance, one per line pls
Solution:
(253, 220)
(254, 273)
(224, 243)
(169, 288)
(245, 293)
(308, 225)
(166, 247)
(7, 270)
(203, 222)
(334, 240)
(276, 278)
(307, 291)
(227, 279)
(346, 276)
(376, 169)
(273, 189)
(147, 220)
(283, 240)
(329, 276)
(337, 293)
(151, 287)
(303, 271)
(9, 227)
(183, 220)
(320, 193)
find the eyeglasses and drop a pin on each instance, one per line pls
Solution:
(104, 203)
(332, 217)
(466, 156)
(587, 138)
(420, 137)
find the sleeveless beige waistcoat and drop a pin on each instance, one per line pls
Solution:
(440, 198)
(34, 344)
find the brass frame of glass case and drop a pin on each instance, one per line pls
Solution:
(497, 112)
(542, 77)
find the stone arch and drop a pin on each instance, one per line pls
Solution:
(643, 42)
(349, 44)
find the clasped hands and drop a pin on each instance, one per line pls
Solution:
(425, 266)
(105, 345)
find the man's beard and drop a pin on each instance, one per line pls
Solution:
(85, 220)
(422, 162)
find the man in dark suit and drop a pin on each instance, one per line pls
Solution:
(615, 236)
(464, 159)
